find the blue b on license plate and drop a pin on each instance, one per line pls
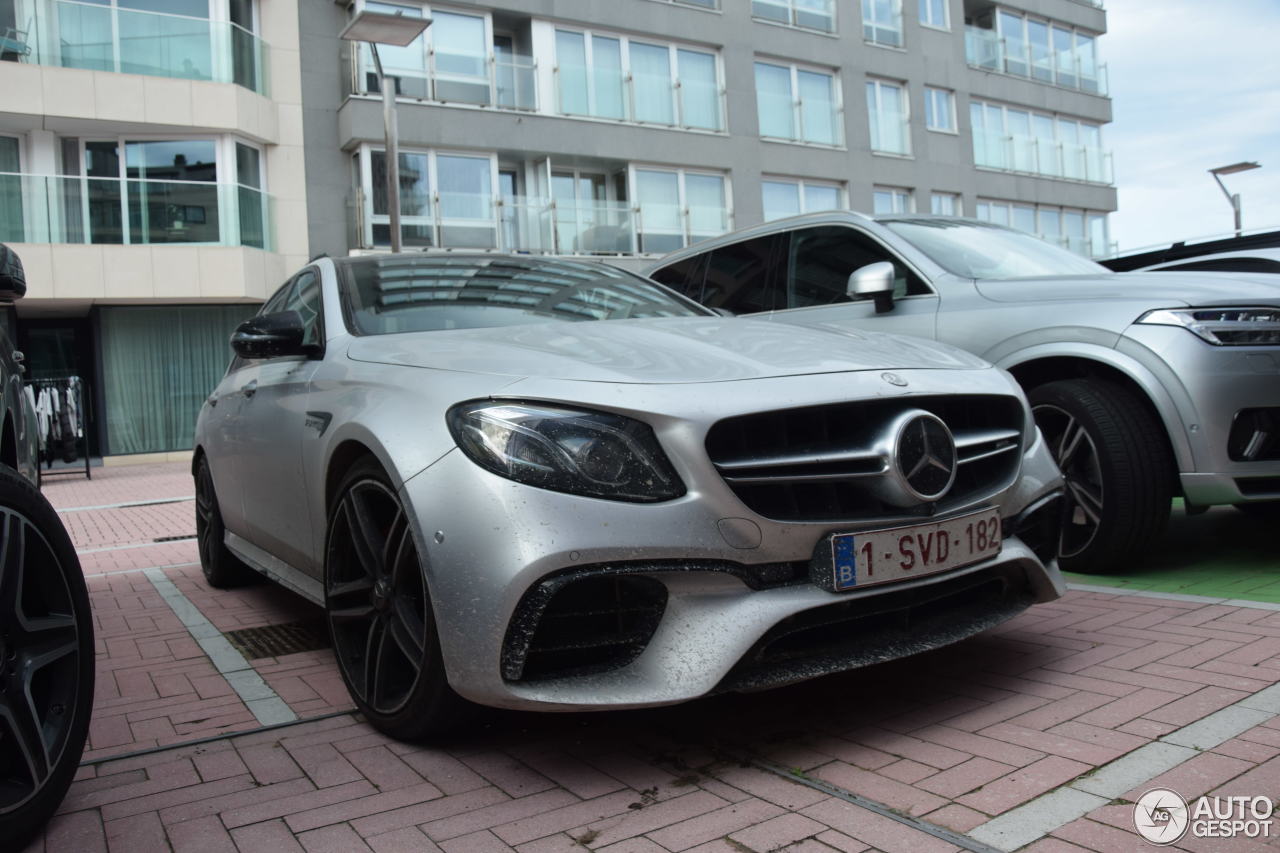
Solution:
(899, 553)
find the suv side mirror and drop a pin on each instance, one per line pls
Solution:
(270, 335)
(874, 280)
(13, 281)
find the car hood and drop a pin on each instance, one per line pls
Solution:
(1158, 289)
(669, 350)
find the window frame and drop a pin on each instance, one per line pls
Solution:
(1036, 119)
(949, 96)
(682, 201)
(878, 85)
(895, 193)
(956, 198)
(793, 16)
(797, 102)
(945, 26)
(877, 25)
(802, 186)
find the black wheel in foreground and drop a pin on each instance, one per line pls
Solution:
(222, 569)
(1114, 458)
(46, 661)
(384, 633)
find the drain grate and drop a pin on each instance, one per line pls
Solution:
(273, 641)
(181, 538)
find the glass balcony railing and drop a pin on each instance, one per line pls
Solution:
(451, 77)
(72, 34)
(1042, 157)
(808, 14)
(546, 226)
(986, 49)
(52, 209)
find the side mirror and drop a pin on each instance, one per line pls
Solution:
(874, 280)
(270, 335)
(13, 281)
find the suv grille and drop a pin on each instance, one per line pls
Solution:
(828, 463)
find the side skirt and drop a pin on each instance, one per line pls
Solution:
(276, 569)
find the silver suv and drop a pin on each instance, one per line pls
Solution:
(1145, 385)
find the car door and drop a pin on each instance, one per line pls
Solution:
(270, 429)
(740, 277)
(813, 270)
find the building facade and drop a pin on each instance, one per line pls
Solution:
(164, 164)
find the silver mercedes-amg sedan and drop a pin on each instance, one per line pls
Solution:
(552, 484)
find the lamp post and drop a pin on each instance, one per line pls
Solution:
(375, 28)
(1233, 198)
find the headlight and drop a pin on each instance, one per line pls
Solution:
(1236, 327)
(566, 450)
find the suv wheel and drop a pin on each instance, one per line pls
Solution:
(46, 661)
(1113, 456)
(380, 617)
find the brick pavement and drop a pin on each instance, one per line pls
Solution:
(953, 738)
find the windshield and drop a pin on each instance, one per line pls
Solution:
(387, 294)
(978, 250)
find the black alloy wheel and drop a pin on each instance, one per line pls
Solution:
(379, 609)
(222, 569)
(1077, 456)
(1118, 469)
(46, 660)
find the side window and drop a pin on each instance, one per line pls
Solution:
(820, 260)
(684, 276)
(278, 299)
(307, 301)
(1230, 265)
(740, 277)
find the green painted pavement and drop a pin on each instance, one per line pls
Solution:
(1221, 553)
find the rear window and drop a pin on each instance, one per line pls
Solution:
(388, 294)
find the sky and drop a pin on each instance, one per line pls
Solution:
(1194, 85)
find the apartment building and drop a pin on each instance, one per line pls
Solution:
(631, 127)
(154, 176)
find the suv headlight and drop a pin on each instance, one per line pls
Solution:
(588, 453)
(1222, 326)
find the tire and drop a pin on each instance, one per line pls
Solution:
(379, 611)
(222, 569)
(1119, 471)
(46, 663)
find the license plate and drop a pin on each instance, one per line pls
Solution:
(882, 556)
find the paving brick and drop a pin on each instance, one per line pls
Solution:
(905, 746)
(353, 809)
(270, 835)
(976, 744)
(875, 787)
(407, 840)
(840, 841)
(250, 795)
(1054, 744)
(965, 777)
(270, 763)
(648, 819)
(1023, 784)
(1202, 703)
(423, 813)
(296, 803)
(873, 829)
(136, 832)
(778, 832)
(908, 771)
(1197, 776)
(324, 765)
(567, 817)
(514, 778)
(201, 835)
(956, 817)
(722, 821)
(333, 839)
(179, 796)
(81, 832)
(497, 814)
(444, 771)
(383, 768)
(575, 776)
(1126, 708)
(770, 787)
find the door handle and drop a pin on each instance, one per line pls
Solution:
(250, 389)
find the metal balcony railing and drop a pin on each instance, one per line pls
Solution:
(73, 34)
(986, 49)
(508, 82)
(55, 209)
(542, 225)
(1050, 158)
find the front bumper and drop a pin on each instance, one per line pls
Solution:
(488, 542)
(1210, 386)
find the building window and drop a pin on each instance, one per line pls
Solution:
(946, 204)
(891, 200)
(783, 197)
(934, 13)
(1014, 43)
(798, 104)
(1016, 140)
(12, 214)
(614, 77)
(939, 109)
(882, 22)
(446, 199)
(888, 115)
(677, 207)
(187, 39)
(701, 4)
(808, 14)
(1082, 231)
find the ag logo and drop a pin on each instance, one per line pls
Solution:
(1161, 816)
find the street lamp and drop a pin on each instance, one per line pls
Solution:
(375, 28)
(1233, 198)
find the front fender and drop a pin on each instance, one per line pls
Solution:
(1151, 375)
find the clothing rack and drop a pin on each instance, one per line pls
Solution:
(66, 420)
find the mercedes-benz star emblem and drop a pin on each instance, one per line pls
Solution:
(894, 379)
(926, 457)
